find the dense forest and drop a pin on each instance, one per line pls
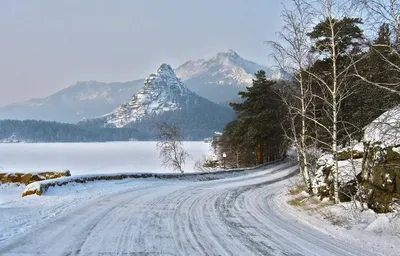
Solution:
(43, 131)
(345, 73)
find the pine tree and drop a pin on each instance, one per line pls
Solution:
(259, 123)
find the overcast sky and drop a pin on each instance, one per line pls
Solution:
(46, 46)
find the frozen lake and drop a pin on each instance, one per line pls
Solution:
(89, 158)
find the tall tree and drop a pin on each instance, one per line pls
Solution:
(259, 123)
(334, 39)
(384, 12)
(291, 55)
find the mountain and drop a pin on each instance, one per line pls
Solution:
(217, 79)
(84, 99)
(221, 77)
(164, 98)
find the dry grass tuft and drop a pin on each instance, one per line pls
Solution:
(297, 189)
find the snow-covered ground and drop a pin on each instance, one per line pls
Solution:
(89, 158)
(10, 192)
(378, 232)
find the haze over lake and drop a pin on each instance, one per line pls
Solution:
(87, 158)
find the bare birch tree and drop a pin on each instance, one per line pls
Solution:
(382, 11)
(292, 54)
(169, 143)
(334, 83)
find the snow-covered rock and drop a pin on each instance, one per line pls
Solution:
(370, 170)
(351, 152)
(379, 225)
(349, 175)
(385, 130)
(381, 174)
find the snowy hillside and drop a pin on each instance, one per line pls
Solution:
(164, 97)
(221, 77)
(224, 68)
(84, 99)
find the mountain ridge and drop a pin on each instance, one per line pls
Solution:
(217, 79)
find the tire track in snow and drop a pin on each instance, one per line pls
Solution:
(236, 216)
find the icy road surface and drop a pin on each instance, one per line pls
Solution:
(234, 216)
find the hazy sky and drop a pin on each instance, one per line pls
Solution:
(49, 45)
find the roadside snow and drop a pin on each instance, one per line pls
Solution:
(17, 216)
(343, 221)
(10, 192)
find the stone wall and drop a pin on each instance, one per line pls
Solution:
(27, 178)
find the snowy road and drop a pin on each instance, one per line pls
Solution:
(235, 216)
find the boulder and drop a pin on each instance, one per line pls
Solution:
(353, 152)
(349, 177)
(381, 177)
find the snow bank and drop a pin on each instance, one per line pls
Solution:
(38, 188)
(10, 192)
(380, 232)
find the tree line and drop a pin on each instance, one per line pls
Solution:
(344, 57)
(44, 131)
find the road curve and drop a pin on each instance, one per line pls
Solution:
(235, 216)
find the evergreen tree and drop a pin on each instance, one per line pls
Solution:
(347, 37)
(366, 102)
(258, 125)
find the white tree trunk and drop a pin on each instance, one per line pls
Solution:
(334, 93)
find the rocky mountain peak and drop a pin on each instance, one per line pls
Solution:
(229, 54)
(166, 70)
(161, 92)
(165, 77)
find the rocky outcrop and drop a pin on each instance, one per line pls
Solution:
(381, 178)
(381, 167)
(350, 163)
(370, 170)
(27, 178)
